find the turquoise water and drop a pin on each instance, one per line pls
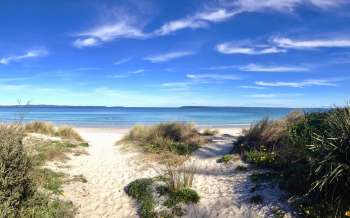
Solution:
(129, 116)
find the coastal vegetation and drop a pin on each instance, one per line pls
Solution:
(65, 132)
(27, 187)
(308, 155)
(172, 137)
(166, 195)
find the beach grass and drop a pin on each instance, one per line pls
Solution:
(307, 154)
(174, 137)
(45, 128)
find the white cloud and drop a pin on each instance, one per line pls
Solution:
(27, 55)
(284, 5)
(199, 20)
(315, 43)
(253, 87)
(168, 56)
(108, 32)
(230, 48)
(262, 68)
(136, 71)
(88, 42)
(211, 77)
(122, 61)
(301, 84)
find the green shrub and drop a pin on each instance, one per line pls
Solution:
(225, 159)
(16, 185)
(185, 195)
(175, 137)
(141, 190)
(260, 158)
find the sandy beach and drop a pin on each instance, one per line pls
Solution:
(108, 168)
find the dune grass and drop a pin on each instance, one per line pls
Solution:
(175, 137)
(65, 132)
(210, 132)
(308, 155)
(40, 127)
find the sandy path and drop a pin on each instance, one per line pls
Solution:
(108, 170)
(225, 192)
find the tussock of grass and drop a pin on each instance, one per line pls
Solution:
(179, 177)
(210, 132)
(67, 132)
(40, 127)
(174, 137)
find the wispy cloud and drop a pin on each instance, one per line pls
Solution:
(136, 71)
(199, 20)
(301, 84)
(122, 61)
(108, 32)
(313, 43)
(253, 87)
(124, 28)
(231, 48)
(211, 77)
(168, 56)
(263, 68)
(198, 79)
(27, 55)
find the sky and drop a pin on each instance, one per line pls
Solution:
(278, 53)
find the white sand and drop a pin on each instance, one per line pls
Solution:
(109, 168)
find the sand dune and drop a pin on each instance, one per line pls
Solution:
(109, 168)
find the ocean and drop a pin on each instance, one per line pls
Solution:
(128, 116)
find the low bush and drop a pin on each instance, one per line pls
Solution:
(184, 195)
(175, 137)
(19, 181)
(16, 185)
(141, 190)
(225, 159)
(241, 168)
(261, 158)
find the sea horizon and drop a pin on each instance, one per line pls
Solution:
(126, 117)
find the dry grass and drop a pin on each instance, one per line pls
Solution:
(180, 177)
(40, 127)
(210, 132)
(174, 137)
(269, 133)
(67, 132)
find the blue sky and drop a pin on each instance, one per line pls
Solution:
(293, 53)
